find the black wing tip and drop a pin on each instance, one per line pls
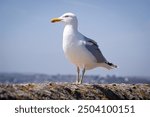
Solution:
(111, 64)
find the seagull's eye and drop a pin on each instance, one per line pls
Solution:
(66, 16)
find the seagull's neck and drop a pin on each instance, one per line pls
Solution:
(69, 37)
(70, 30)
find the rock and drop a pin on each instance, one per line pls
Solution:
(67, 91)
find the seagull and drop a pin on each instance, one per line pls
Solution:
(79, 49)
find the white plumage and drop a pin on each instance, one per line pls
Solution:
(80, 50)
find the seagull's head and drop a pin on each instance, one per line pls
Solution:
(67, 18)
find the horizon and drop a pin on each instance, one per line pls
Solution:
(107, 75)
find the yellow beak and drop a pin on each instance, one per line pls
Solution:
(55, 20)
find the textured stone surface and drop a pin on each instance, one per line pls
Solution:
(65, 91)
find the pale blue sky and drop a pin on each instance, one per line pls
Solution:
(30, 43)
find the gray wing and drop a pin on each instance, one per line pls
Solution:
(92, 46)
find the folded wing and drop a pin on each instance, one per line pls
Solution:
(92, 46)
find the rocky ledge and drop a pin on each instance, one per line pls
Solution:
(68, 91)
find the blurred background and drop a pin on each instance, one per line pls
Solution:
(29, 43)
